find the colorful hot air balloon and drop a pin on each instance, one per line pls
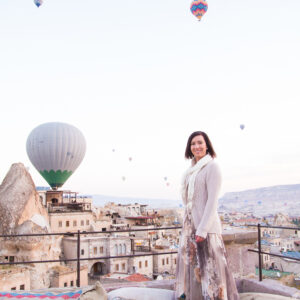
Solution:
(38, 3)
(199, 8)
(242, 126)
(56, 150)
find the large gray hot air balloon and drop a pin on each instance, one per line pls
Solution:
(56, 150)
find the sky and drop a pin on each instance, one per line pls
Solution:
(140, 76)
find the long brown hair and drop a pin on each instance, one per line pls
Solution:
(210, 148)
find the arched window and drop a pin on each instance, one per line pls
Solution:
(120, 249)
(124, 249)
(116, 250)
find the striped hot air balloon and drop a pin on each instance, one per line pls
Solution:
(199, 8)
(56, 150)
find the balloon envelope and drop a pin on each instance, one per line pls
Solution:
(38, 3)
(199, 8)
(56, 150)
(242, 126)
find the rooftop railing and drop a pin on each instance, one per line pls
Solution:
(78, 259)
(260, 252)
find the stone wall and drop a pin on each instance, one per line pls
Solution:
(241, 261)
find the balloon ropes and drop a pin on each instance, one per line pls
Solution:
(56, 150)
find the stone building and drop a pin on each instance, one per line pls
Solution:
(14, 278)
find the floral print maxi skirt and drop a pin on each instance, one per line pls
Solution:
(202, 271)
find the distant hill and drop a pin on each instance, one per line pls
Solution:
(273, 199)
(261, 201)
(100, 200)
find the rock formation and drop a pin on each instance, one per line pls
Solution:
(19, 201)
(21, 212)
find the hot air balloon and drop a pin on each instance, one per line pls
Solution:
(130, 158)
(199, 8)
(165, 178)
(123, 178)
(242, 126)
(38, 3)
(56, 150)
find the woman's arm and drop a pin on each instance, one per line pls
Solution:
(213, 184)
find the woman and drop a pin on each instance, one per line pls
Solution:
(202, 270)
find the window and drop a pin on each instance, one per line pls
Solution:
(72, 283)
(82, 251)
(163, 261)
(82, 222)
(22, 287)
(123, 266)
(74, 223)
(175, 261)
(101, 250)
(87, 222)
(65, 284)
(146, 263)
(95, 250)
(67, 223)
(13, 288)
(117, 267)
(140, 264)
(167, 260)
(59, 223)
(11, 258)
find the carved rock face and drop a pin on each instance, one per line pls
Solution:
(19, 201)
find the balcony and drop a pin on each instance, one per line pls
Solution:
(242, 262)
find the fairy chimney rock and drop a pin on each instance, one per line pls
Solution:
(19, 201)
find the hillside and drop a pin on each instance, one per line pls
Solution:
(273, 199)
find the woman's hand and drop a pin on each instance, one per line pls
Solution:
(199, 239)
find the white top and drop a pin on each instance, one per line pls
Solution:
(205, 200)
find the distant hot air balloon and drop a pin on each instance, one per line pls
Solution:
(113, 150)
(168, 183)
(130, 158)
(259, 202)
(242, 126)
(123, 178)
(38, 3)
(56, 150)
(165, 178)
(199, 8)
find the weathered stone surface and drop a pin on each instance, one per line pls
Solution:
(21, 212)
(19, 200)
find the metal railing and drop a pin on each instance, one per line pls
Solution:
(78, 259)
(260, 252)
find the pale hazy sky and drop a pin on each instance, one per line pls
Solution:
(140, 76)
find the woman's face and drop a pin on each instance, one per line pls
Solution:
(198, 147)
